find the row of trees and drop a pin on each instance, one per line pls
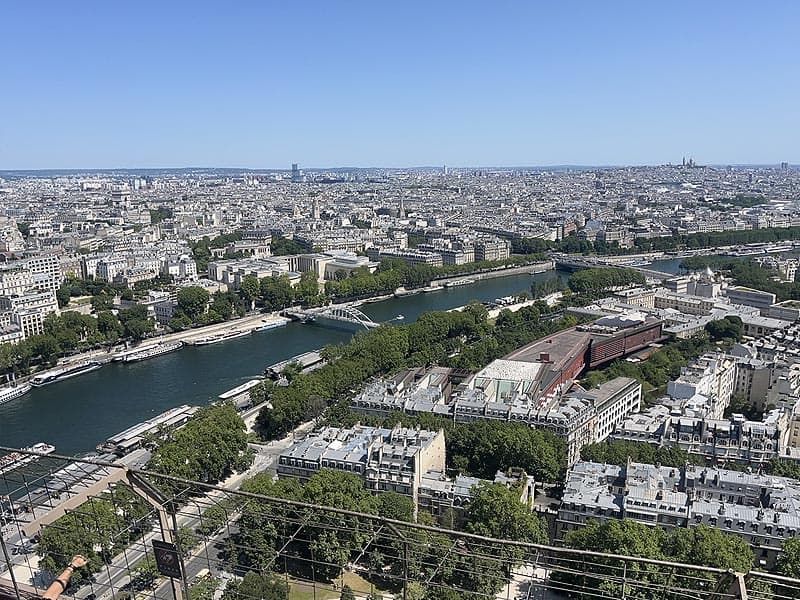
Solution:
(574, 245)
(395, 272)
(617, 452)
(597, 280)
(72, 332)
(209, 448)
(98, 529)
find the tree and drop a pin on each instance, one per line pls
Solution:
(730, 328)
(701, 545)
(496, 511)
(276, 292)
(145, 574)
(392, 505)
(211, 446)
(109, 326)
(263, 586)
(250, 289)
(102, 302)
(789, 560)
(347, 593)
(63, 295)
(180, 321)
(193, 301)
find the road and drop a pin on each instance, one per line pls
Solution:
(117, 574)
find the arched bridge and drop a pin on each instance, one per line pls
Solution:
(333, 316)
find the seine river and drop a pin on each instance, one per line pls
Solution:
(77, 414)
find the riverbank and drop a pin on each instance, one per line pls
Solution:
(538, 267)
(105, 355)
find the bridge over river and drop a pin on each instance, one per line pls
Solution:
(574, 263)
(339, 316)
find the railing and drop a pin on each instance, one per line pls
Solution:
(114, 513)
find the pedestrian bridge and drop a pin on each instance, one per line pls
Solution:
(347, 317)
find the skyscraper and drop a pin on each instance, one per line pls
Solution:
(297, 174)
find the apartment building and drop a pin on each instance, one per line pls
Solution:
(761, 509)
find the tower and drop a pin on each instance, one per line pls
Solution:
(315, 208)
(401, 212)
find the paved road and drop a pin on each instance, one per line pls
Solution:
(117, 574)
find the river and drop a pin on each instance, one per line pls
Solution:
(77, 414)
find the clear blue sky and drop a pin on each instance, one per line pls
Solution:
(374, 83)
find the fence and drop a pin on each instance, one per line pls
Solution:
(115, 513)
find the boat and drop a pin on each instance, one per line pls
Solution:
(458, 282)
(10, 393)
(273, 325)
(220, 337)
(65, 373)
(148, 352)
(15, 460)
(239, 389)
(432, 288)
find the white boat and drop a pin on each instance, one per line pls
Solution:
(273, 325)
(240, 389)
(15, 460)
(148, 352)
(65, 373)
(10, 393)
(220, 337)
(457, 282)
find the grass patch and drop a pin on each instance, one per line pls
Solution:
(303, 590)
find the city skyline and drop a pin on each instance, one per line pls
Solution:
(376, 87)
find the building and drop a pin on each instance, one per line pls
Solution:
(15, 282)
(387, 459)
(412, 257)
(407, 461)
(29, 311)
(492, 249)
(711, 376)
(641, 297)
(761, 509)
(690, 305)
(750, 297)
(110, 267)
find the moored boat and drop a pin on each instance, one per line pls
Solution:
(65, 373)
(10, 393)
(148, 352)
(15, 460)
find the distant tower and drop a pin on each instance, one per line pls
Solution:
(297, 174)
(444, 170)
(315, 208)
(401, 212)
(684, 162)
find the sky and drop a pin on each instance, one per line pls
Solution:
(397, 84)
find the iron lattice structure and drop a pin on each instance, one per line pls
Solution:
(256, 532)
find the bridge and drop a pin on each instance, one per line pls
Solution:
(571, 263)
(338, 316)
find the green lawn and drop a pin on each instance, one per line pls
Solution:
(301, 590)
